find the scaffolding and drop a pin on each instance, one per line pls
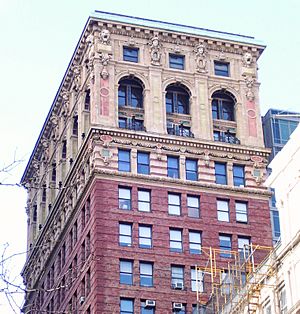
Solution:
(237, 283)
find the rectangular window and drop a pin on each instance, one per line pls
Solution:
(145, 237)
(176, 61)
(144, 203)
(282, 301)
(146, 309)
(130, 54)
(179, 308)
(197, 280)
(244, 247)
(124, 160)
(125, 234)
(174, 207)
(143, 164)
(126, 275)
(175, 240)
(173, 167)
(146, 274)
(191, 169)
(126, 306)
(275, 225)
(177, 277)
(220, 173)
(221, 68)
(238, 175)
(195, 242)
(193, 203)
(225, 246)
(125, 198)
(241, 211)
(223, 210)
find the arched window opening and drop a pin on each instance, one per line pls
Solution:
(223, 106)
(177, 99)
(130, 93)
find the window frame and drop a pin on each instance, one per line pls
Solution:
(142, 202)
(127, 201)
(177, 276)
(146, 310)
(245, 240)
(126, 311)
(173, 172)
(174, 241)
(238, 180)
(221, 176)
(191, 175)
(130, 93)
(174, 207)
(177, 100)
(222, 211)
(143, 237)
(143, 167)
(193, 243)
(239, 212)
(148, 275)
(194, 283)
(125, 273)
(130, 58)
(174, 61)
(224, 248)
(124, 160)
(218, 71)
(125, 235)
(193, 208)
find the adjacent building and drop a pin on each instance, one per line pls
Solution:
(150, 160)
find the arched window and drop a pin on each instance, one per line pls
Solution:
(130, 93)
(177, 99)
(223, 106)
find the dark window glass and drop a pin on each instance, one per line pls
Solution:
(191, 170)
(126, 276)
(143, 165)
(64, 150)
(146, 274)
(173, 167)
(126, 306)
(225, 245)
(124, 160)
(75, 126)
(176, 61)
(130, 54)
(221, 68)
(238, 175)
(177, 99)
(223, 106)
(87, 101)
(220, 173)
(130, 93)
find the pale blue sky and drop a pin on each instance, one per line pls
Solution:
(37, 41)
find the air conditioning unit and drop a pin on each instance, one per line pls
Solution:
(178, 286)
(177, 306)
(150, 303)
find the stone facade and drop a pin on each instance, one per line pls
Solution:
(74, 173)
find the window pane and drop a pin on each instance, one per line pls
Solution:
(225, 245)
(124, 198)
(145, 237)
(220, 173)
(126, 306)
(126, 272)
(124, 160)
(195, 242)
(223, 210)
(130, 54)
(146, 278)
(144, 200)
(173, 167)
(241, 212)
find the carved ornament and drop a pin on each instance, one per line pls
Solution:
(155, 50)
(201, 60)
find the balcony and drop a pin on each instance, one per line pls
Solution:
(226, 137)
(179, 130)
(131, 124)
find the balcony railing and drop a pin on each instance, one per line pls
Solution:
(132, 124)
(180, 130)
(226, 137)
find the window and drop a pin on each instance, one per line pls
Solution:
(177, 276)
(130, 93)
(147, 309)
(193, 203)
(130, 54)
(143, 165)
(75, 126)
(146, 274)
(199, 309)
(197, 280)
(275, 225)
(191, 169)
(174, 207)
(125, 198)
(220, 173)
(126, 306)
(145, 237)
(173, 167)
(225, 245)
(282, 301)
(87, 101)
(126, 275)
(223, 106)
(64, 150)
(180, 310)
(282, 129)
(144, 204)
(131, 124)
(244, 247)
(177, 99)
(223, 210)
(125, 234)
(124, 160)
(241, 212)
(53, 174)
(238, 175)
(175, 240)
(176, 61)
(221, 68)
(195, 242)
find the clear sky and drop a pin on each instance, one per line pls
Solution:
(37, 41)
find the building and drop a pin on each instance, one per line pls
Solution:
(151, 159)
(275, 283)
(278, 125)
